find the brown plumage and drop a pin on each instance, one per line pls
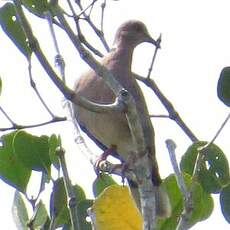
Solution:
(111, 129)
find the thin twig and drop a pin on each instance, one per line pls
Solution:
(71, 7)
(173, 114)
(91, 8)
(202, 149)
(96, 30)
(171, 146)
(59, 61)
(84, 41)
(83, 11)
(7, 116)
(183, 223)
(67, 104)
(142, 172)
(124, 100)
(88, 58)
(33, 85)
(80, 35)
(50, 23)
(69, 189)
(66, 91)
(16, 126)
(103, 5)
(220, 129)
(159, 116)
(157, 47)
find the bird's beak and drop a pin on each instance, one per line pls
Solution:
(149, 39)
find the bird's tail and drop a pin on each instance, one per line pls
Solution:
(163, 207)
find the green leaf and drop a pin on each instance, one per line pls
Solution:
(54, 142)
(223, 86)
(0, 85)
(36, 7)
(33, 151)
(40, 216)
(19, 212)
(58, 204)
(79, 193)
(82, 208)
(202, 203)
(176, 201)
(12, 170)
(225, 202)
(12, 27)
(102, 182)
(214, 171)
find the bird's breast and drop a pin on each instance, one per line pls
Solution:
(111, 129)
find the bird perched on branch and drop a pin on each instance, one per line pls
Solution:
(111, 130)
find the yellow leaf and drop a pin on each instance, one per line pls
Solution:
(115, 209)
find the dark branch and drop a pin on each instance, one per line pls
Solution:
(16, 126)
(173, 114)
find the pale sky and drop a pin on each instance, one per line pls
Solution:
(195, 47)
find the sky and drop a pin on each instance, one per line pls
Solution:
(195, 47)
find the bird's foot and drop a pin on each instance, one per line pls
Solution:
(102, 158)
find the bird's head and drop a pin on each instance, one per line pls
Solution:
(133, 33)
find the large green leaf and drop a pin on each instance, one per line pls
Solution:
(54, 142)
(102, 182)
(33, 151)
(58, 204)
(223, 86)
(202, 203)
(214, 171)
(225, 202)
(82, 208)
(40, 217)
(12, 170)
(19, 212)
(36, 7)
(176, 201)
(79, 193)
(12, 27)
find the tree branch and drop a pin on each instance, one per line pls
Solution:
(220, 129)
(96, 30)
(124, 102)
(80, 35)
(173, 114)
(33, 85)
(154, 56)
(17, 126)
(69, 189)
(141, 170)
(183, 223)
(67, 92)
(7, 116)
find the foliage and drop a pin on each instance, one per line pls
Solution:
(12, 27)
(202, 203)
(224, 86)
(205, 171)
(111, 207)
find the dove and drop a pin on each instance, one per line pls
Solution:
(110, 130)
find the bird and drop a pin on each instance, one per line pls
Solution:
(110, 130)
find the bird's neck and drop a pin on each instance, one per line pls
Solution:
(123, 54)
